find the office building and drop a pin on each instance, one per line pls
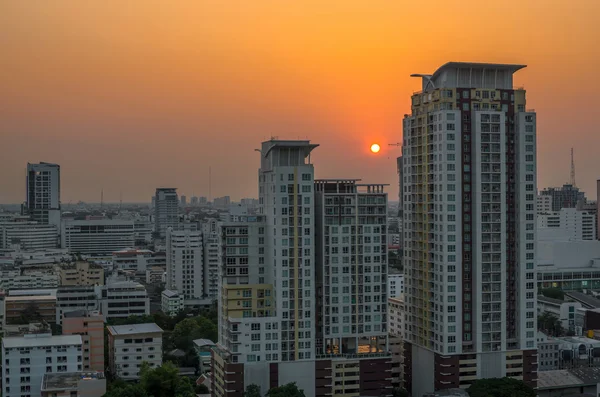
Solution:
(566, 196)
(278, 323)
(27, 358)
(131, 345)
(71, 384)
(76, 299)
(171, 302)
(570, 265)
(185, 263)
(166, 212)
(90, 325)
(97, 236)
(469, 169)
(27, 236)
(42, 202)
(81, 273)
(123, 299)
(566, 224)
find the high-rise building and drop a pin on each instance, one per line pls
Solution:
(296, 306)
(185, 263)
(166, 210)
(183, 200)
(42, 202)
(210, 238)
(566, 224)
(566, 196)
(194, 201)
(469, 169)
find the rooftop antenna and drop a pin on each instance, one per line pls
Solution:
(101, 198)
(572, 181)
(209, 184)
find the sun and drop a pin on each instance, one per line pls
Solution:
(375, 148)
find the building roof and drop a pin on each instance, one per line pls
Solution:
(564, 378)
(203, 342)
(586, 300)
(542, 298)
(133, 329)
(30, 298)
(40, 340)
(170, 294)
(67, 381)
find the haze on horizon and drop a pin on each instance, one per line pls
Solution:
(129, 96)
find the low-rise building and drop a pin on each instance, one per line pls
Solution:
(17, 277)
(81, 273)
(171, 302)
(79, 384)
(568, 382)
(76, 298)
(396, 316)
(27, 358)
(203, 349)
(20, 311)
(131, 345)
(395, 283)
(156, 275)
(563, 310)
(97, 236)
(90, 325)
(123, 299)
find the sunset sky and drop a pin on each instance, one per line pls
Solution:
(130, 95)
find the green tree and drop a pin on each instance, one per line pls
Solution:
(203, 389)
(554, 293)
(164, 381)
(500, 387)
(252, 391)
(126, 390)
(288, 390)
(550, 324)
(207, 328)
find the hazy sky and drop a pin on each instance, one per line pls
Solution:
(133, 94)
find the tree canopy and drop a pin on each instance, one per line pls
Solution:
(252, 391)
(500, 387)
(163, 381)
(550, 324)
(288, 390)
(555, 293)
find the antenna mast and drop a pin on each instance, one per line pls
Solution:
(209, 184)
(572, 168)
(102, 198)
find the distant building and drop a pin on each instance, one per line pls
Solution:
(16, 277)
(563, 310)
(42, 202)
(27, 235)
(171, 302)
(566, 196)
(155, 274)
(27, 358)
(544, 203)
(222, 202)
(194, 201)
(131, 345)
(79, 384)
(166, 213)
(76, 298)
(183, 200)
(123, 299)
(203, 349)
(395, 284)
(566, 224)
(97, 236)
(90, 325)
(210, 237)
(81, 273)
(396, 312)
(22, 310)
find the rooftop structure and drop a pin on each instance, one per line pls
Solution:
(133, 329)
(84, 384)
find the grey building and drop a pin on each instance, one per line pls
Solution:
(166, 205)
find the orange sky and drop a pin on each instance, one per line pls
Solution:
(131, 95)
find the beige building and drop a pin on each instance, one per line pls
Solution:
(90, 325)
(20, 311)
(80, 384)
(81, 273)
(131, 345)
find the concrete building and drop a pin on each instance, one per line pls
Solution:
(210, 237)
(27, 358)
(123, 299)
(42, 201)
(16, 277)
(131, 345)
(395, 285)
(171, 302)
(97, 236)
(396, 314)
(566, 196)
(469, 156)
(90, 325)
(156, 275)
(20, 311)
(544, 203)
(568, 265)
(74, 299)
(582, 382)
(277, 321)
(80, 384)
(566, 224)
(222, 202)
(81, 273)
(185, 264)
(563, 310)
(135, 259)
(203, 349)
(183, 200)
(166, 212)
(27, 235)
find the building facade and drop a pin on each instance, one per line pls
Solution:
(25, 360)
(171, 302)
(469, 169)
(131, 345)
(28, 236)
(395, 284)
(81, 273)
(166, 215)
(97, 236)
(210, 238)
(123, 299)
(42, 201)
(90, 325)
(567, 224)
(566, 196)
(185, 262)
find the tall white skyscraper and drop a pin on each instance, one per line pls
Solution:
(469, 183)
(279, 319)
(185, 263)
(42, 203)
(166, 204)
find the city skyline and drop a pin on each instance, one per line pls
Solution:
(199, 84)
